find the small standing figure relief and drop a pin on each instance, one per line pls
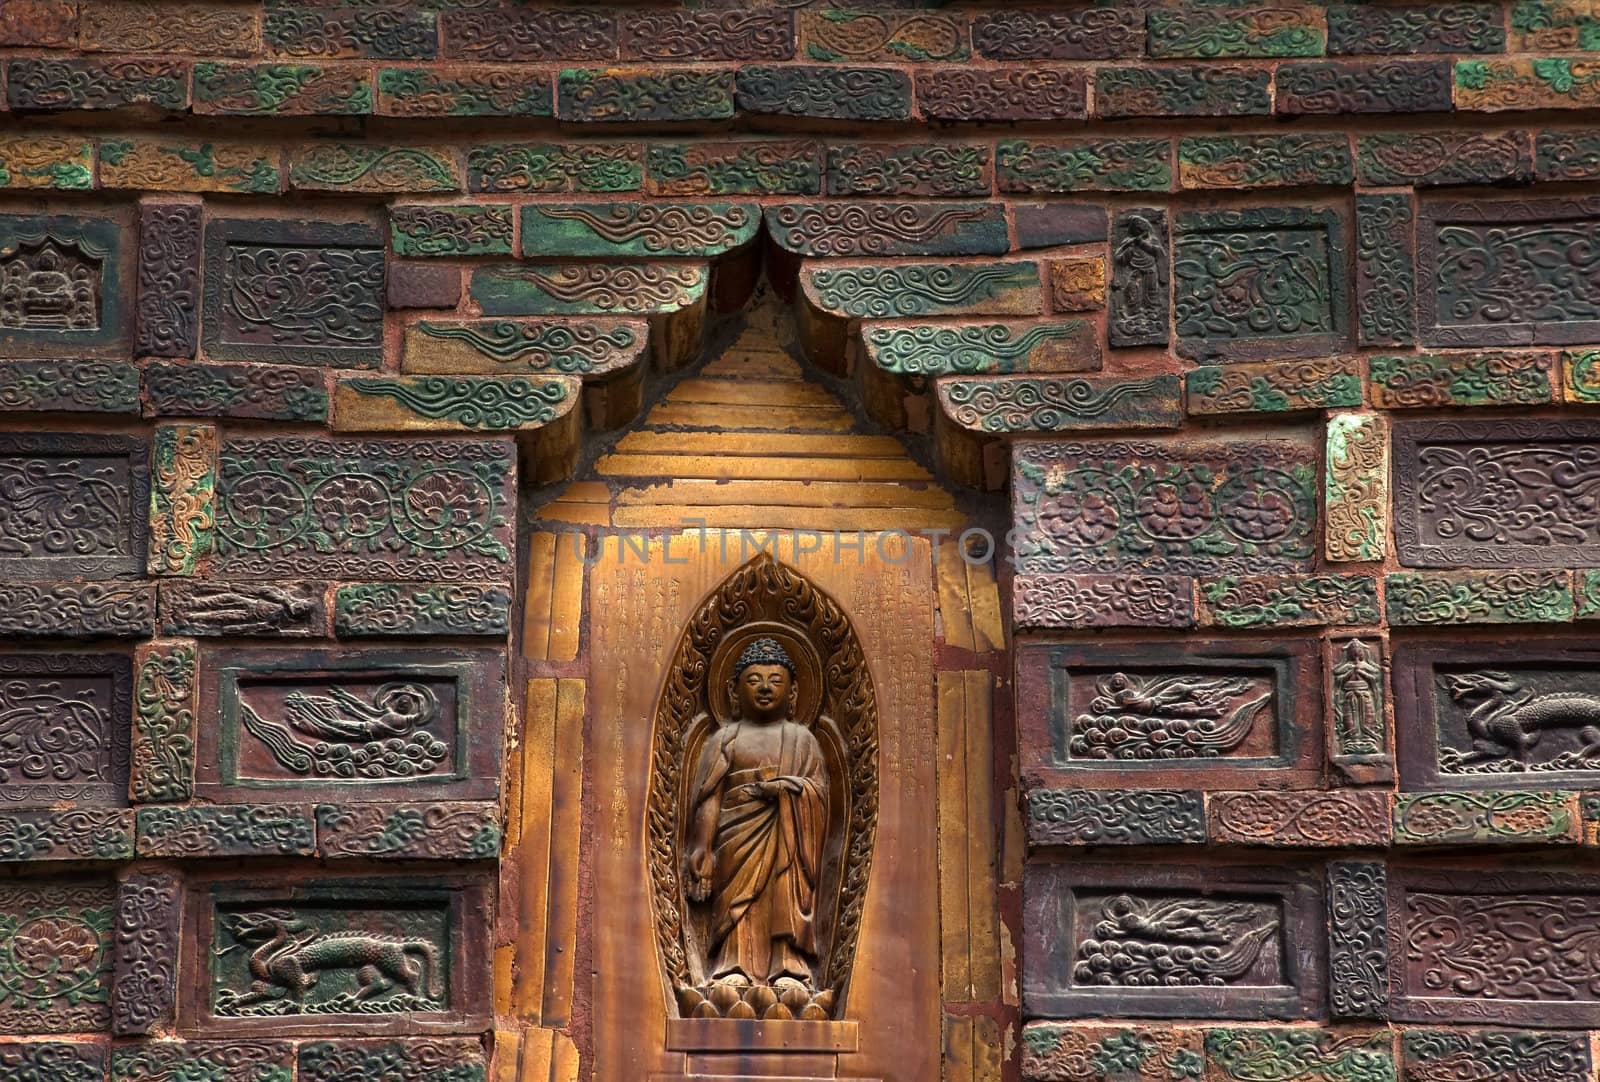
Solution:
(1358, 710)
(1138, 286)
(759, 810)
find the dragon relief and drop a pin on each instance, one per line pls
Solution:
(1168, 717)
(289, 956)
(343, 735)
(1151, 942)
(1506, 720)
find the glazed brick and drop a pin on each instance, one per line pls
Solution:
(433, 230)
(825, 92)
(1487, 378)
(1386, 271)
(745, 167)
(928, 169)
(1259, 31)
(1266, 601)
(1427, 159)
(1527, 83)
(1382, 86)
(65, 386)
(281, 89)
(1072, 165)
(179, 166)
(514, 32)
(1094, 34)
(464, 91)
(839, 34)
(1567, 155)
(700, 36)
(1452, 598)
(882, 228)
(46, 161)
(594, 95)
(1183, 90)
(1373, 29)
(1273, 387)
(373, 167)
(555, 167)
(1554, 25)
(96, 84)
(1007, 94)
(1264, 161)
(188, 389)
(198, 29)
(1046, 225)
(387, 33)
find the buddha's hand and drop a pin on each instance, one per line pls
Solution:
(700, 866)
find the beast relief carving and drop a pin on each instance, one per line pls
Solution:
(763, 804)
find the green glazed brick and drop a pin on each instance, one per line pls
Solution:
(400, 32)
(1182, 90)
(598, 96)
(1256, 31)
(1527, 83)
(160, 165)
(1274, 387)
(82, 834)
(189, 389)
(1264, 161)
(1060, 403)
(1554, 25)
(233, 830)
(1445, 598)
(1487, 817)
(884, 228)
(926, 169)
(1587, 589)
(439, 1059)
(1245, 1054)
(37, 83)
(46, 161)
(1580, 375)
(634, 228)
(824, 92)
(503, 91)
(372, 167)
(434, 230)
(1408, 381)
(922, 289)
(1074, 165)
(213, 1061)
(531, 289)
(1427, 159)
(281, 89)
(555, 167)
(997, 348)
(1267, 601)
(735, 168)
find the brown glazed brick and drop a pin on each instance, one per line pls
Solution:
(48, 24)
(696, 36)
(1382, 86)
(1087, 34)
(1002, 94)
(1078, 284)
(517, 33)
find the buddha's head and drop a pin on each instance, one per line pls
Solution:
(763, 685)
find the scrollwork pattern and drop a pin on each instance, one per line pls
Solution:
(146, 956)
(1538, 948)
(1055, 403)
(1358, 940)
(517, 402)
(1114, 817)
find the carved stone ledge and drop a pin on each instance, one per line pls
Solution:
(754, 1035)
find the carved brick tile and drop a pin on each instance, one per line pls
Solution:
(1444, 922)
(1081, 601)
(1496, 493)
(210, 608)
(350, 724)
(1337, 819)
(1195, 507)
(420, 509)
(1258, 283)
(1221, 714)
(189, 389)
(1488, 816)
(93, 610)
(75, 505)
(58, 1061)
(394, 954)
(65, 386)
(294, 292)
(183, 480)
(168, 306)
(1356, 693)
(1450, 598)
(1356, 487)
(1115, 817)
(241, 830)
(1241, 1054)
(1358, 940)
(886, 229)
(65, 725)
(145, 966)
(1386, 276)
(1273, 601)
(215, 1061)
(919, 289)
(165, 694)
(396, 609)
(1522, 1055)
(423, 1060)
(1273, 387)
(1033, 404)
(1099, 939)
(63, 285)
(56, 959)
(612, 289)
(1137, 308)
(1055, 1052)
(579, 347)
(1006, 347)
(101, 834)
(447, 831)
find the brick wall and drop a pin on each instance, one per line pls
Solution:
(1269, 332)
